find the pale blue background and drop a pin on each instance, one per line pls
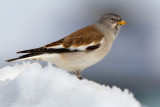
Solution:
(134, 60)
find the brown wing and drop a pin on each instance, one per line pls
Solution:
(87, 38)
(81, 37)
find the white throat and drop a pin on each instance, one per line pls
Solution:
(111, 33)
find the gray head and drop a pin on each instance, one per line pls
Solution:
(111, 21)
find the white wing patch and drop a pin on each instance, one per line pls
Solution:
(56, 47)
(81, 48)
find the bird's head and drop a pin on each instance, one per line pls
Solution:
(111, 20)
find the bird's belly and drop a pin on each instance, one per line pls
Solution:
(78, 61)
(81, 60)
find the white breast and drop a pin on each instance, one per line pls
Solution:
(81, 60)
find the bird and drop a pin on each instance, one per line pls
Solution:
(82, 48)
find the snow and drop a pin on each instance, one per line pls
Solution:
(31, 85)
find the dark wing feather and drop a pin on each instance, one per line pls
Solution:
(45, 50)
(24, 56)
(82, 37)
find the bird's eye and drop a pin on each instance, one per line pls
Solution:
(112, 18)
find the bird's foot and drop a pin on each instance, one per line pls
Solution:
(80, 78)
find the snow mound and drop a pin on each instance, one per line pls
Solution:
(31, 85)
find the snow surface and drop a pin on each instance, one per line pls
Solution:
(31, 85)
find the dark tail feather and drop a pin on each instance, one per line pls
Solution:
(11, 60)
(24, 56)
(36, 50)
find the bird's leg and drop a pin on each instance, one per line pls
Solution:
(78, 74)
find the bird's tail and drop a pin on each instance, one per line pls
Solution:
(25, 57)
